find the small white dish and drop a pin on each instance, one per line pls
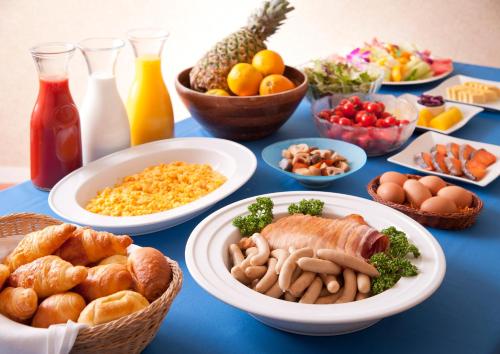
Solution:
(418, 82)
(207, 259)
(440, 90)
(426, 141)
(69, 196)
(468, 112)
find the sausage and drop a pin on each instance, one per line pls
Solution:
(329, 299)
(250, 251)
(324, 292)
(239, 274)
(269, 278)
(245, 242)
(361, 296)
(318, 266)
(312, 292)
(364, 283)
(348, 261)
(236, 255)
(255, 272)
(281, 255)
(275, 291)
(263, 250)
(290, 297)
(296, 273)
(301, 284)
(350, 287)
(246, 262)
(285, 276)
(331, 282)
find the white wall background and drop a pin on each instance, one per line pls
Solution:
(467, 31)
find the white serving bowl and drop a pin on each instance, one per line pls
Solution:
(207, 259)
(69, 196)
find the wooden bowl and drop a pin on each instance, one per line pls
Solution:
(242, 117)
(453, 221)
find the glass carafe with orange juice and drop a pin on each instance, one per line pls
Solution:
(148, 106)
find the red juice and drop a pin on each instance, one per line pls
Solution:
(56, 148)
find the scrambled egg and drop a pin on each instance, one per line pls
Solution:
(157, 188)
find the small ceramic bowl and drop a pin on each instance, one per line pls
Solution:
(356, 157)
(242, 117)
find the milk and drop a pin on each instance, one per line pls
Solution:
(104, 122)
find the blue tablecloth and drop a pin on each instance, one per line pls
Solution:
(463, 316)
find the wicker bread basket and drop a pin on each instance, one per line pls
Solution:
(454, 221)
(129, 334)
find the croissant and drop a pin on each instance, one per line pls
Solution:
(112, 307)
(89, 246)
(18, 304)
(58, 308)
(38, 244)
(104, 280)
(4, 274)
(350, 234)
(48, 275)
(115, 259)
(151, 272)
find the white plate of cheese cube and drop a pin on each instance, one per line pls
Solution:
(456, 80)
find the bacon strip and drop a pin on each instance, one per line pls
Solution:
(350, 234)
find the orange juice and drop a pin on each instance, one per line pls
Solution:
(148, 106)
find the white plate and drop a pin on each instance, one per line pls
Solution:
(426, 141)
(68, 197)
(207, 261)
(440, 90)
(418, 82)
(468, 112)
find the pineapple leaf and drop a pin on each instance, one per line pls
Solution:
(264, 21)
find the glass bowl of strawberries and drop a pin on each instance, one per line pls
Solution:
(377, 123)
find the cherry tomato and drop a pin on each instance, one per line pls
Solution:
(345, 121)
(380, 123)
(368, 119)
(385, 114)
(374, 108)
(348, 109)
(390, 121)
(358, 116)
(338, 112)
(324, 114)
(357, 125)
(342, 102)
(334, 119)
(355, 100)
(404, 122)
(381, 105)
(365, 105)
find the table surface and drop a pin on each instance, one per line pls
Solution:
(463, 316)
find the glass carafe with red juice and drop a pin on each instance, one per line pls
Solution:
(55, 142)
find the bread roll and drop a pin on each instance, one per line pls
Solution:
(104, 280)
(48, 275)
(4, 274)
(112, 307)
(18, 304)
(150, 272)
(117, 258)
(38, 244)
(58, 308)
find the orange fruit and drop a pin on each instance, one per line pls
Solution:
(244, 80)
(217, 92)
(268, 62)
(274, 84)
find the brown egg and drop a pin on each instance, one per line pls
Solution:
(394, 177)
(460, 196)
(433, 183)
(391, 192)
(416, 192)
(440, 205)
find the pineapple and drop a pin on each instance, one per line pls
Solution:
(239, 47)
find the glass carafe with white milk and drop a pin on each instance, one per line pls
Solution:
(104, 121)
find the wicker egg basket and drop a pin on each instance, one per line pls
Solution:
(454, 221)
(129, 334)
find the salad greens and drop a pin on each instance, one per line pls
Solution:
(310, 207)
(330, 76)
(393, 264)
(261, 213)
